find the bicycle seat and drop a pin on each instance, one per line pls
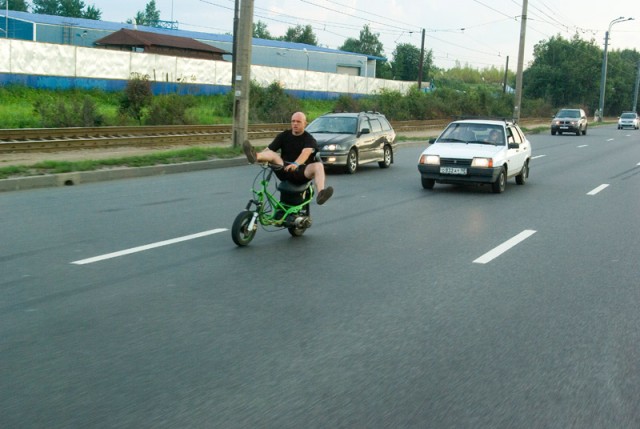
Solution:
(286, 186)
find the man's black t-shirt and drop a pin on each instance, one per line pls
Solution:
(291, 146)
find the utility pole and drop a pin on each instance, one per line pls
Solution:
(234, 48)
(603, 78)
(243, 73)
(523, 29)
(421, 63)
(635, 91)
(506, 73)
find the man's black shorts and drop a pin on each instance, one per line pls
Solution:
(296, 176)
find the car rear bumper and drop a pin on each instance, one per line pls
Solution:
(473, 175)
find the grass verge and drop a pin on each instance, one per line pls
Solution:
(158, 158)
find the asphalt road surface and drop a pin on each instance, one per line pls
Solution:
(126, 304)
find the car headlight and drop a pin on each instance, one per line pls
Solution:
(482, 162)
(333, 147)
(430, 159)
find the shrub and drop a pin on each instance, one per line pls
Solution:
(57, 113)
(171, 109)
(137, 96)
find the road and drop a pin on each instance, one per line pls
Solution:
(126, 304)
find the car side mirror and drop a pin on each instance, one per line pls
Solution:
(432, 140)
(514, 145)
(364, 131)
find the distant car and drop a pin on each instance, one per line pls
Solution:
(628, 120)
(570, 121)
(477, 152)
(348, 140)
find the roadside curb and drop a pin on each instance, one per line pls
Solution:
(80, 177)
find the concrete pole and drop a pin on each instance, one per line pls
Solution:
(523, 29)
(243, 73)
(603, 79)
(421, 63)
(635, 91)
(506, 75)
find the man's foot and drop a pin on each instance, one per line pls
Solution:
(249, 151)
(324, 195)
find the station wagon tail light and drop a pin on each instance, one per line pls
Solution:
(430, 159)
(482, 162)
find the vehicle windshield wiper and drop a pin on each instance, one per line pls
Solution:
(451, 140)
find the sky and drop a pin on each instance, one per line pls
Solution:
(477, 33)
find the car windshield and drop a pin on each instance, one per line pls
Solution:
(334, 125)
(628, 115)
(568, 114)
(473, 133)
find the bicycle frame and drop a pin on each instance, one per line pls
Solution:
(267, 208)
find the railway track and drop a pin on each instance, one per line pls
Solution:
(22, 140)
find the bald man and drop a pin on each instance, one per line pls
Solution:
(296, 147)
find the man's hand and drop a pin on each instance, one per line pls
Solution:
(291, 167)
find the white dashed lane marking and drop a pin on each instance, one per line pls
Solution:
(497, 251)
(147, 247)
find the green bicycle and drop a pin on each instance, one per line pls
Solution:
(292, 211)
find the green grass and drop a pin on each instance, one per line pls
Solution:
(159, 158)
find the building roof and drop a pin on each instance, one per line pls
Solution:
(115, 26)
(128, 37)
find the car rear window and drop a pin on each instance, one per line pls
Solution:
(376, 127)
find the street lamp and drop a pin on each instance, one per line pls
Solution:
(307, 53)
(603, 81)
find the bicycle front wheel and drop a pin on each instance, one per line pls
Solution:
(240, 232)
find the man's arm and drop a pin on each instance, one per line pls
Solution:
(301, 159)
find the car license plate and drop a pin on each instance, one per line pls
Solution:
(564, 128)
(453, 170)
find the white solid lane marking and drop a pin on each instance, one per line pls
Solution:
(598, 189)
(583, 145)
(497, 251)
(147, 247)
(539, 156)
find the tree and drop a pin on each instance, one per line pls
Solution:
(70, 8)
(17, 5)
(564, 72)
(260, 31)
(150, 17)
(300, 34)
(369, 44)
(406, 62)
(46, 7)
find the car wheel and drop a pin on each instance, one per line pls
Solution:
(386, 161)
(521, 178)
(579, 131)
(584, 132)
(352, 162)
(428, 183)
(498, 186)
(553, 133)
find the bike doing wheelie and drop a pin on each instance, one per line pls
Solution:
(291, 211)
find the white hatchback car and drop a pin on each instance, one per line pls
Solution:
(477, 151)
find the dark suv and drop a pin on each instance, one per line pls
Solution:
(570, 121)
(347, 140)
